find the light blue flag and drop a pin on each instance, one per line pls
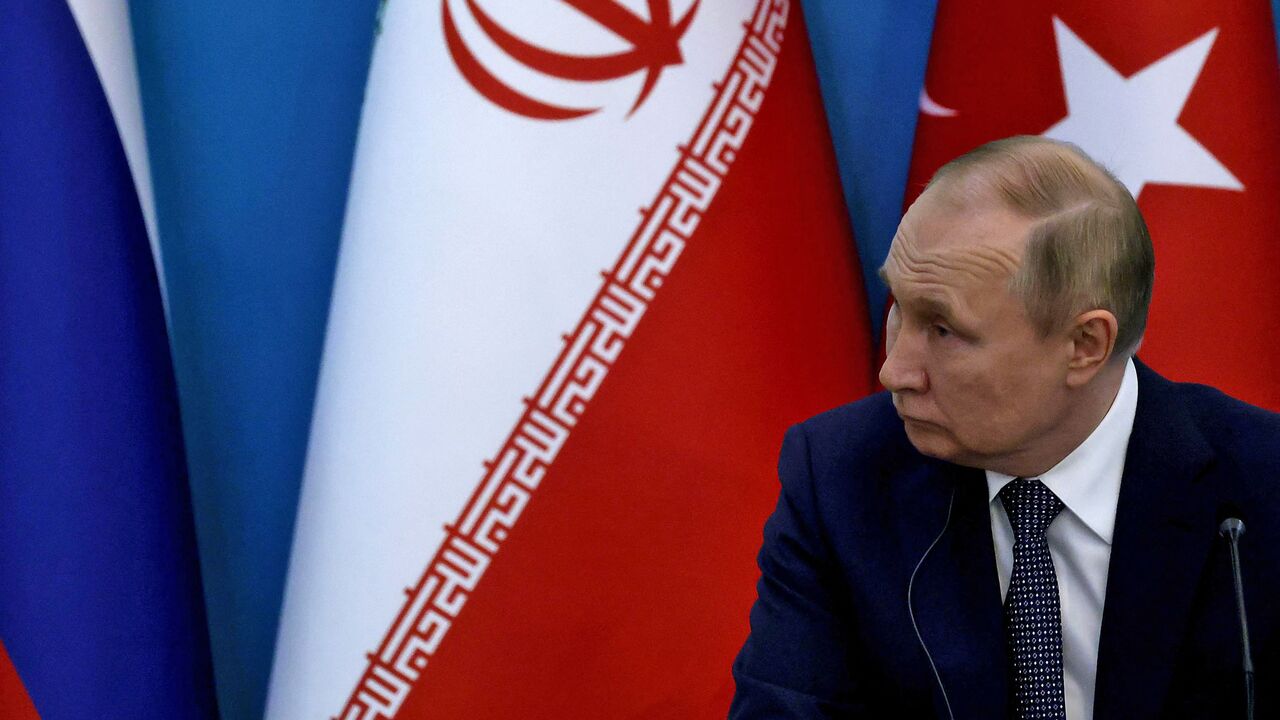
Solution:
(871, 58)
(251, 111)
(1275, 17)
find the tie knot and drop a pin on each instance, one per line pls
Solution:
(1030, 506)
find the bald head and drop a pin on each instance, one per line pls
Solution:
(1088, 246)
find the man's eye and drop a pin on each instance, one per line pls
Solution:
(941, 330)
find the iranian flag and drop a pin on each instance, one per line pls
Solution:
(1181, 100)
(595, 261)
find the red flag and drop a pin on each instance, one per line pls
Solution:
(1181, 100)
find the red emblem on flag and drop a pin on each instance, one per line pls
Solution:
(655, 45)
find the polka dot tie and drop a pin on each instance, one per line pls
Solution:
(1032, 621)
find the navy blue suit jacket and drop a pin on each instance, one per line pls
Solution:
(837, 633)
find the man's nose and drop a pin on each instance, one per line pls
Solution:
(903, 370)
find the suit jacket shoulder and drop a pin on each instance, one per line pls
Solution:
(1246, 435)
(854, 453)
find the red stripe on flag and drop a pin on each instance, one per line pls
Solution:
(15, 704)
(624, 590)
(735, 311)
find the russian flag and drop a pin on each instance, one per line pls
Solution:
(100, 601)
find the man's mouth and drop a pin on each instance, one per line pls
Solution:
(916, 420)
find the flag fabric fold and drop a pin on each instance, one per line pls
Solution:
(100, 603)
(251, 115)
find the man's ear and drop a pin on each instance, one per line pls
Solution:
(1093, 342)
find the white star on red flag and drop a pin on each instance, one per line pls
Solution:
(1131, 124)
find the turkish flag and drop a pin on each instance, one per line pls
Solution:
(1181, 100)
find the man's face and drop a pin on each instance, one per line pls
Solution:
(971, 377)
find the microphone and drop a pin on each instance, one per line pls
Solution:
(1231, 529)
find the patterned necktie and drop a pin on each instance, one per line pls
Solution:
(1032, 621)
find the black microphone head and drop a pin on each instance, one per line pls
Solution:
(1231, 528)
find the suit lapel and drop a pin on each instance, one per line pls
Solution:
(1164, 531)
(956, 596)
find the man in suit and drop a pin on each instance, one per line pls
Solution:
(1026, 524)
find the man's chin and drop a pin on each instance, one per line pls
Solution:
(931, 439)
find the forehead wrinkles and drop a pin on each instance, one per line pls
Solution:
(976, 263)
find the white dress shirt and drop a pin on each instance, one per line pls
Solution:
(1088, 483)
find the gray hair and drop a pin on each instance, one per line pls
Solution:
(1089, 248)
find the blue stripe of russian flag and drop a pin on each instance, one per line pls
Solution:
(100, 602)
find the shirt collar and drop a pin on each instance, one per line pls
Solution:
(1087, 481)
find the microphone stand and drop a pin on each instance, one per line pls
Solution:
(1231, 529)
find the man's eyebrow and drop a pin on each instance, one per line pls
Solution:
(935, 306)
(929, 305)
(884, 276)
